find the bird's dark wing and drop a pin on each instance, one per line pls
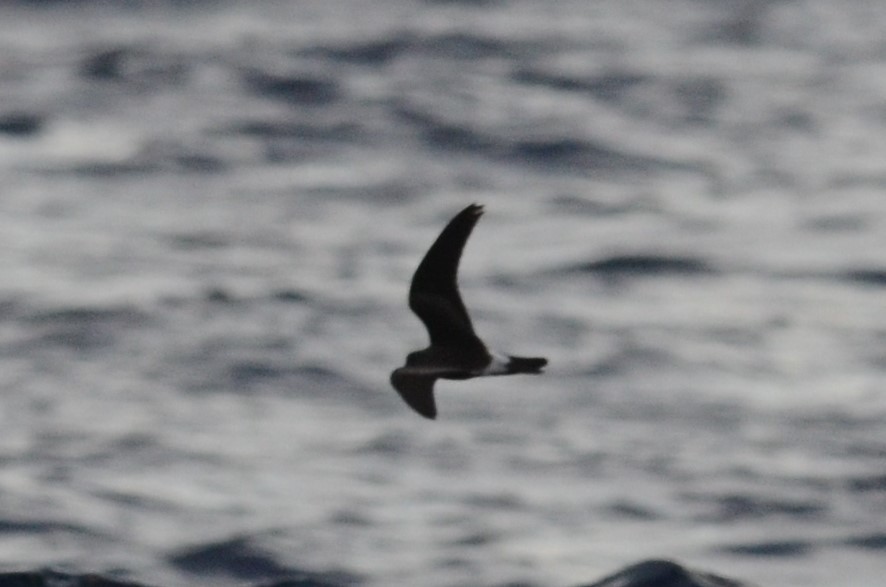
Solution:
(434, 295)
(416, 389)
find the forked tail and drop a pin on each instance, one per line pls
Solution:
(526, 364)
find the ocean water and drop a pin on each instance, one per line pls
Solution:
(210, 213)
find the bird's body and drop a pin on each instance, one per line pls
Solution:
(455, 352)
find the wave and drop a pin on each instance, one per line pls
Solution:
(643, 265)
(295, 87)
(21, 124)
(147, 67)
(241, 559)
(82, 327)
(51, 527)
(606, 86)
(406, 43)
(874, 541)
(873, 277)
(866, 484)
(732, 507)
(558, 152)
(661, 573)
(771, 548)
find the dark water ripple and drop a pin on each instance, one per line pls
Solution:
(869, 483)
(581, 155)
(242, 559)
(145, 66)
(374, 53)
(412, 44)
(606, 86)
(769, 549)
(21, 124)
(871, 277)
(42, 527)
(442, 133)
(82, 328)
(875, 541)
(297, 87)
(735, 507)
(629, 510)
(343, 131)
(60, 579)
(640, 265)
(651, 573)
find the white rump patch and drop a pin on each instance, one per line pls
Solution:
(498, 365)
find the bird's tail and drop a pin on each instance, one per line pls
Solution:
(525, 364)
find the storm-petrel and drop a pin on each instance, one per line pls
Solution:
(456, 352)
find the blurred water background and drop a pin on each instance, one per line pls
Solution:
(210, 213)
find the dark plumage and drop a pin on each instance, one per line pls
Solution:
(456, 352)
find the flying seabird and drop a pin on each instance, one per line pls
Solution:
(456, 352)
